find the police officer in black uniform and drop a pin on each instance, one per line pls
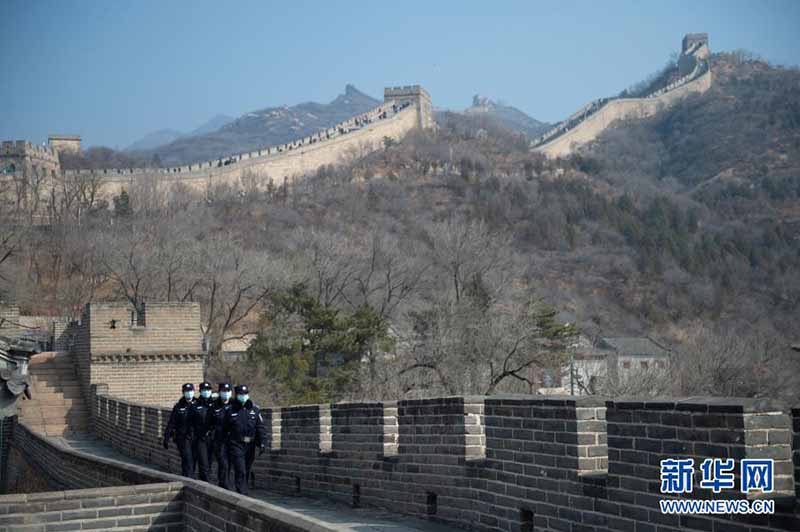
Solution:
(179, 429)
(244, 429)
(219, 409)
(202, 437)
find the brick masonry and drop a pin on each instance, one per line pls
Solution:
(9, 320)
(156, 356)
(500, 462)
(157, 507)
(123, 496)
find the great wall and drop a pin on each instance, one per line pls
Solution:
(404, 109)
(586, 124)
(85, 451)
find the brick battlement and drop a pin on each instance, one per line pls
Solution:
(502, 462)
(154, 349)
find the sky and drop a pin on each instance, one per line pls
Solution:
(113, 70)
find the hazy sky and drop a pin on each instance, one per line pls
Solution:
(114, 70)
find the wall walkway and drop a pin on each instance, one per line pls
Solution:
(503, 463)
(129, 495)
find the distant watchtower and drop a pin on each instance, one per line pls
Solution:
(65, 143)
(695, 47)
(415, 95)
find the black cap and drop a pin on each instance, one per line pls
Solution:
(188, 387)
(205, 385)
(242, 389)
(224, 387)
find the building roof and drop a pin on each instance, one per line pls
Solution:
(238, 345)
(634, 345)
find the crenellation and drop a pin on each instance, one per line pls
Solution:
(392, 119)
(571, 461)
(592, 119)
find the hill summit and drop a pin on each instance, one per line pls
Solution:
(265, 127)
(506, 116)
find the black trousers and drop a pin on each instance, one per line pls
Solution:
(201, 449)
(184, 444)
(239, 453)
(249, 458)
(221, 452)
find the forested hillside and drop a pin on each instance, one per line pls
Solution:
(457, 261)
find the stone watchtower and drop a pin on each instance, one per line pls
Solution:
(28, 159)
(142, 354)
(65, 143)
(694, 48)
(415, 95)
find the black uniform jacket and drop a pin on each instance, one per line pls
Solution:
(179, 424)
(244, 424)
(200, 417)
(219, 411)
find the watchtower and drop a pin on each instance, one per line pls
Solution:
(65, 143)
(691, 38)
(694, 48)
(29, 159)
(415, 95)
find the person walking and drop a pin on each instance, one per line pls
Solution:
(244, 429)
(219, 410)
(202, 437)
(179, 429)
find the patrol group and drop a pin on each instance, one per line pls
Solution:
(217, 426)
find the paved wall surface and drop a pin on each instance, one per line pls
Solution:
(501, 463)
(137, 498)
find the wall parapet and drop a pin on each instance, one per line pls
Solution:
(166, 501)
(559, 462)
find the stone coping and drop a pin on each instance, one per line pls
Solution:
(692, 404)
(89, 493)
(701, 404)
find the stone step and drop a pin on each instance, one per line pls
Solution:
(45, 388)
(49, 395)
(53, 373)
(50, 400)
(51, 404)
(37, 365)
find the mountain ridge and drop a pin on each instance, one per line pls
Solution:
(264, 127)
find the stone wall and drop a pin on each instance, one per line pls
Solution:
(29, 159)
(124, 496)
(147, 359)
(62, 468)
(276, 166)
(796, 448)
(345, 141)
(156, 507)
(499, 463)
(9, 320)
(621, 109)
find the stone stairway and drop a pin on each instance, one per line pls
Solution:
(56, 407)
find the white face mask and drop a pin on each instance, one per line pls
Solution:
(226, 396)
(188, 395)
(205, 394)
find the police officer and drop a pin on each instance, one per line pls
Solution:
(244, 428)
(201, 421)
(219, 409)
(179, 429)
